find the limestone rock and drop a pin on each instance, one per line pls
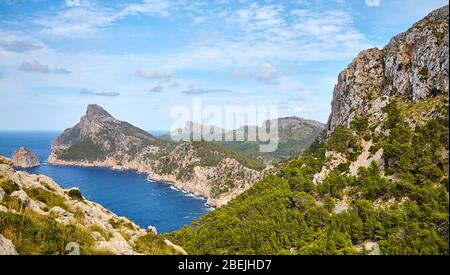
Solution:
(415, 64)
(2, 194)
(22, 197)
(7, 247)
(152, 229)
(24, 158)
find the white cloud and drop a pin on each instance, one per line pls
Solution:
(85, 91)
(87, 18)
(240, 73)
(35, 66)
(19, 46)
(174, 84)
(155, 74)
(373, 3)
(200, 91)
(157, 89)
(266, 72)
(198, 20)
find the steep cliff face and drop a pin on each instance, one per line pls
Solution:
(379, 179)
(414, 65)
(24, 158)
(98, 135)
(197, 167)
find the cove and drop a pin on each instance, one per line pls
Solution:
(126, 193)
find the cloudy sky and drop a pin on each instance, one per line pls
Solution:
(138, 59)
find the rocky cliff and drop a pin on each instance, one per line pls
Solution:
(24, 158)
(196, 167)
(38, 216)
(376, 183)
(414, 65)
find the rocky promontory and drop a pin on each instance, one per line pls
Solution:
(204, 169)
(24, 158)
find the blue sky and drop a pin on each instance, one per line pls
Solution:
(139, 59)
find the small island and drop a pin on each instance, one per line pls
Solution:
(24, 158)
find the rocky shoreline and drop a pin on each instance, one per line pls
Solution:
(167, 179)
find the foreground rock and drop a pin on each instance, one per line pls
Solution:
(37, 201)
(24, 158)
(7, 247)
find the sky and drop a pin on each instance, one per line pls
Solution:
(139, 59)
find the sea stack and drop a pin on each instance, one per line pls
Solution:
(24, 158)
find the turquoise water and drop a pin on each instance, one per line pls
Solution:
(126, 193)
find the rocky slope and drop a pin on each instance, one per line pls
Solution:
(24, 158)
(376, 182)
(413, 65)
(37, 216)
(197, 167)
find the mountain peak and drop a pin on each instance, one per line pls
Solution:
(93, 110)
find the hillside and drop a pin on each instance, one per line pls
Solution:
(294, 135)
(37, 216)
(201, 168)
(375, 183)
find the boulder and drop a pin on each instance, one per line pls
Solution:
(7, 247)
(22, 197)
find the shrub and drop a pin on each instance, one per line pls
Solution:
(47, 197)
(75, 194)
(9, 186)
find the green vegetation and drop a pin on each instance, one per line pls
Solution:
(75, 194)
(344, 141)
(8, 185)
(211, 154)
(82, 150)
(35, 234)
(287, 147)
(49, 198)
(286, 213)
(152, 244)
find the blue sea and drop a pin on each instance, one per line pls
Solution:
(126, 193)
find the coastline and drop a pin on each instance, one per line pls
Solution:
(178, 186)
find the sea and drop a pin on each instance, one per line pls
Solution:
(126, 193)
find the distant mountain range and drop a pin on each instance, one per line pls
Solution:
(294, 135)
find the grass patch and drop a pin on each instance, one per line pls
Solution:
(9, 186)
(34, 234)
(152, 244)
(47, 197)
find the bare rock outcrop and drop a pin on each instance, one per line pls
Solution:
(24, 158)
(6, 246)
(414, 64)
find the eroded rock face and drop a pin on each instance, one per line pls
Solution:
(7, 247)
(24, 158)
(414, 64)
